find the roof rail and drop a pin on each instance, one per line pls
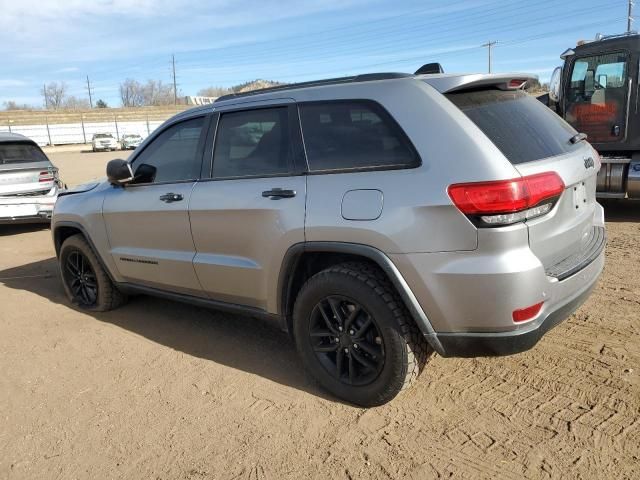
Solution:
(600, 38)
(367, 77)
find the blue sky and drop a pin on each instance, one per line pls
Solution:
(226, 42)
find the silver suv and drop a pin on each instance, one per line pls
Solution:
(29, 182)
(377, 218)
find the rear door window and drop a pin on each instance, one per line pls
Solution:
(353, 135)
(523, 128)
(253, 143)
(20, 152)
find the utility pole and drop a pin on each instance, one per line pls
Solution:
(175, 86)
(490, 45)
(44, 94)
(89, 90)
(630, 16)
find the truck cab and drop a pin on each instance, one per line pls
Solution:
(596, 91)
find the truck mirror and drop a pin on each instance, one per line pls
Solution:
(554, 85)
(602, 81)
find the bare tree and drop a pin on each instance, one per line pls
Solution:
(75, 103)
(131, 93)
(54, 94)
(157, 93)
(12, 105)
(154, 92)
(214, 92)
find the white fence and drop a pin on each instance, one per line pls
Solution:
(68, 133)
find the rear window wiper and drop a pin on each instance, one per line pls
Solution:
(578, 137)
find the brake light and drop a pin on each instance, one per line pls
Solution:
(46, 176)
(528, 313)
(504, 202)
(517, 83)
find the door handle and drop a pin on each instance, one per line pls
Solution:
(171, 197)
(278, 193)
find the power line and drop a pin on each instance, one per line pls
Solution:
(391, 46)
(427, 32)
(388, 36)
(422, 31)
(548, 34)
(398, 35)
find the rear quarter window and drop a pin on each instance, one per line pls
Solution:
(20, 152)
(353, 135)
(522, 128)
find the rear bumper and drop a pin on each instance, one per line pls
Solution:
(506, 343)
(27, 209)
(469, 297)
(486, 344)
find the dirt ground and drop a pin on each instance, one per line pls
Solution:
(162, 390)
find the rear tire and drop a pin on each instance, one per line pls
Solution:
(85, 282)
(355, 336)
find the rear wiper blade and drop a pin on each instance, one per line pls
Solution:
(578, 137)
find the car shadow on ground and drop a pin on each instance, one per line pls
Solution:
(15, 229)
(621, 210)
(252, 345)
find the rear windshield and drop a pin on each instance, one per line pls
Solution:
(20, 152)
(522, 128)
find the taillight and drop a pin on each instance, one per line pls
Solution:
(46, 176)
(504, 202)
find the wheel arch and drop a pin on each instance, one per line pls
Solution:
(305, 259)
(65, 229)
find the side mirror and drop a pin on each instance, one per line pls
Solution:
(145, 173)
(119, 172)
(554, 85)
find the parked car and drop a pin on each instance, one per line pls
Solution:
(130, 142)
(29, 183)
(377, 218)
(103, 141)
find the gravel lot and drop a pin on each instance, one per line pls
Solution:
(164, 390)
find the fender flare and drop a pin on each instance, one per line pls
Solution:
(85, 234)
(294, 253)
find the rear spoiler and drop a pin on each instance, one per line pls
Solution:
(501, 81)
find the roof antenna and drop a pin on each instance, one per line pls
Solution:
(430, 69)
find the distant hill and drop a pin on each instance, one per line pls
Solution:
(241, 88)
(255, 85)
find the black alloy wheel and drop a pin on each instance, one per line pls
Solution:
(346, 340)
(81, 279)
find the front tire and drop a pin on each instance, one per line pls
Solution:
(355, 336)
(85, 282)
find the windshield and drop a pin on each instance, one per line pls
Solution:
(597, 96)
(519, 125)
(103, 135)
(20, 152)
